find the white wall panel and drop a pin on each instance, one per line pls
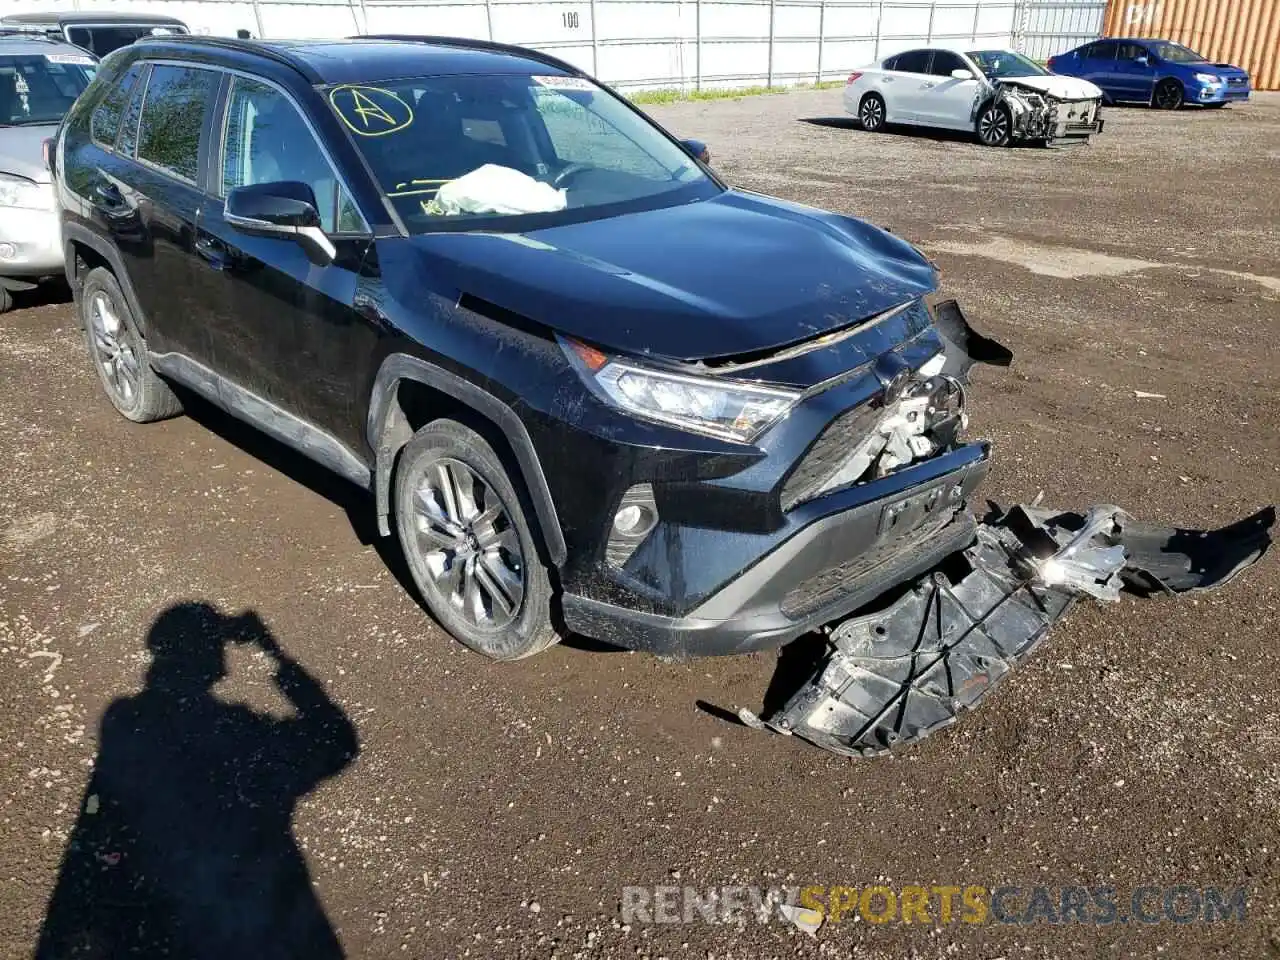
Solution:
(659, 43)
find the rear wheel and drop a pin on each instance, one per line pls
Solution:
(120, 354)
(995, 125)
(470, 548)
(871, 112)
(1168, 95)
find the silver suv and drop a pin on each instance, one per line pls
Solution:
(40, 79)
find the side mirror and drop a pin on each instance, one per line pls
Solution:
(1142, 60)
(286, 209)
(962, 74)
(698, 150)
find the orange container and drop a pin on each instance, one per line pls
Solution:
(1243, 32)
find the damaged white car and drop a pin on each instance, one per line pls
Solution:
(999, 95)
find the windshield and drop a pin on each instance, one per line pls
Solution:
(998, 64)
(40, 88)
(459, 151)
(1175, 52)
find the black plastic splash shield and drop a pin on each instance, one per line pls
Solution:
(897, 675)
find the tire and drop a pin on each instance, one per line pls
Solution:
(994, 126)
(1217, 106)
(119, 353)
(1168, 95)
(6, 300)
(871, 112)
(483, 580)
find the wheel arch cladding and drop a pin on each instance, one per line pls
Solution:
(83, 246)
(390, 426)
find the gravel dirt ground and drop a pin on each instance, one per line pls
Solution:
(498, 810)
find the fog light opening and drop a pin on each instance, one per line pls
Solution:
(8, 251)
(634, 519)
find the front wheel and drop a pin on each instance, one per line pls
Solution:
(469, 546)
(995, 125)
(6, 300)
(1168, 95)
(871, 113)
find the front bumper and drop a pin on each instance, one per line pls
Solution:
(826, 570)
(1075, 130)
(902, 672)
(30, 243)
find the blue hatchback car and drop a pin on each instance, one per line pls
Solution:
(1159, 72)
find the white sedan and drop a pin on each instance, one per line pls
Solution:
(999, 95)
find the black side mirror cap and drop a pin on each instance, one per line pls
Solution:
(283, 209)
(698, 150)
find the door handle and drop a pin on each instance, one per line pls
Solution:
(213, 252)
(929, 83)
(108, 196)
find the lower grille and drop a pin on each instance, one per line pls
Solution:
(829, 586)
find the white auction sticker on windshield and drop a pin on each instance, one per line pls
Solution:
(78, 59)
(565, 83)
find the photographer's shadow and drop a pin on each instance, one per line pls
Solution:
(183, 846)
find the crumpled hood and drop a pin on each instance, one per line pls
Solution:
(733, 274)
(1056, 85)
(22, 151)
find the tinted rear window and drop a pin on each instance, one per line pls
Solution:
(105, 123)
(40, 88)
(173, 115)
(102, 40)
(915, 61)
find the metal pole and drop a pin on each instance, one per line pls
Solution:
(879, 20)
(595, 44)
(822, 17)
(697, 42)
(772, 10)
(257, 16)
(488, 18)
(929, 37)
(977, 9)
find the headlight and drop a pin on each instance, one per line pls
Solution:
(25, 194)
(727, 409)
(1208, 78)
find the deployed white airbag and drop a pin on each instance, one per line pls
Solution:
(501, 190)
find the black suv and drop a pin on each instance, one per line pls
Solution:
(592, 387)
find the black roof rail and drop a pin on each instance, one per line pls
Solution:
(254, 47)
(467, 42)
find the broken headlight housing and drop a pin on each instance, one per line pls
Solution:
(727, 409)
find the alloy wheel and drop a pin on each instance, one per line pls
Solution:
(993, 126)
(872, 114)
(469, 545)
(115, 350)
(1168, 96)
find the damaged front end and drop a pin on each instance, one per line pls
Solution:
(1036, 115)
(895, 676)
